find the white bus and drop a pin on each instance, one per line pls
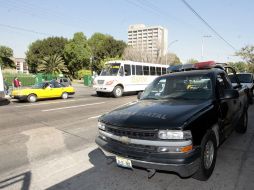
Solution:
(126, 76)
(2, 95)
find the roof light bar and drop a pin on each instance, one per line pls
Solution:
(205, 65)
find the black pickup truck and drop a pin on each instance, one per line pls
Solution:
(178, 123)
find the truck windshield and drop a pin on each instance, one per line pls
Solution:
(190, 87)
(111, 69)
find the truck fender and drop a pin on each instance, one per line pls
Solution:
(215, 129)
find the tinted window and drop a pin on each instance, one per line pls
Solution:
(158, 70)
(139, 70)
(127, 70)
(152, 71)
(164, 71)
(133, 70)
(146, 70)
(245, 78)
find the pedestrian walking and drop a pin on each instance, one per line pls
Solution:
(6, 87)
(16, 83)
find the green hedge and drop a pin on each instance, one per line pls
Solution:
(26, 79)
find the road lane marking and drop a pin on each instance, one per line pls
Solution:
(38, 104)
(70, 107)
(94, 117)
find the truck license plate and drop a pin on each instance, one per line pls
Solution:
(123, 162)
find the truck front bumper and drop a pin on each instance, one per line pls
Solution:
(184, 164)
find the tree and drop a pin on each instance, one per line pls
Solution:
(53, 64)
(104, 46)
(5, 57)
(171, 59)
(134, 54)
(192, 61)
(40, 49)
(247, 53)
(239, 66)
(77, 53)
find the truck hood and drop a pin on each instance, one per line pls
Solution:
(156, 114)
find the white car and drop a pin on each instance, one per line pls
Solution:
(246, 79)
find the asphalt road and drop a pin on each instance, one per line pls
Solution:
(50, 145)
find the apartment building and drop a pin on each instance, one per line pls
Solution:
(152, 40)
(21, 65)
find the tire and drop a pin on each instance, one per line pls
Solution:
(32, 98)
(243, 123)
(208, 157)
(118, 91)
(64, 95)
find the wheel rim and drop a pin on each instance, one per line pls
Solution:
(32, 98)
(118, 91)
(208, 154)
(65, 95)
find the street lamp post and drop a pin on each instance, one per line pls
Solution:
(202, 45)
(171, 43)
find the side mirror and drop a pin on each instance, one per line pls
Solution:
(139, 95)
(230, 94)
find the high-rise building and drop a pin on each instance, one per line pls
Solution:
(152, 40)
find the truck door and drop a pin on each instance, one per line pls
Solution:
(227, 107)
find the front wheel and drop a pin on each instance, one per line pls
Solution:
(208, 157)
(65, 95)
(118, 91)
(32, 98)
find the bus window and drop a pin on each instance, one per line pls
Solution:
(127, 70)
(164, 71)
(152, 71)
(139, 70)
(146, 70)
(133, 70)
(158, 70)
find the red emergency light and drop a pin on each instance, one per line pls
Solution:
(205, 65)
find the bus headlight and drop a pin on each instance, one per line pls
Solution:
(174, 134)
(101, 126)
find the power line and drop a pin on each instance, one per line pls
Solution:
(25, 30)
(208, 25)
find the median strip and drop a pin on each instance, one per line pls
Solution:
(70, 107)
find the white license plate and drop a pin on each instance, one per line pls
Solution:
(123, 162)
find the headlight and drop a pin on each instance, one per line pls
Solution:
(174, 134)
(101, 126)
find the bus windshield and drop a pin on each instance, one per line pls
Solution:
(111, 69)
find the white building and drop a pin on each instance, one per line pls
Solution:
(21, 65)
(152, 40)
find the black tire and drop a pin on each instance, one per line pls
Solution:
(243, 123)
(100, 94)
(118, 91)
(65, 95)
(32, 98)
(206, 168)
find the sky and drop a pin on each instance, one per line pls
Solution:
(24, 21)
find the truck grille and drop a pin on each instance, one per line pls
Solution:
(100, 81)
(135, 147)
(133, 133)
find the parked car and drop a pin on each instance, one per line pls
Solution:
(44, 90)
(247, 80)
(64, 81)
(178, 123)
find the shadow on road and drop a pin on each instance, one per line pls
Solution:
(22, 180)
(4, 102)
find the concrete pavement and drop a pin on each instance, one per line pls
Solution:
(50, 144)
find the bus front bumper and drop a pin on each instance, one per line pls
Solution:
(103, 88)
